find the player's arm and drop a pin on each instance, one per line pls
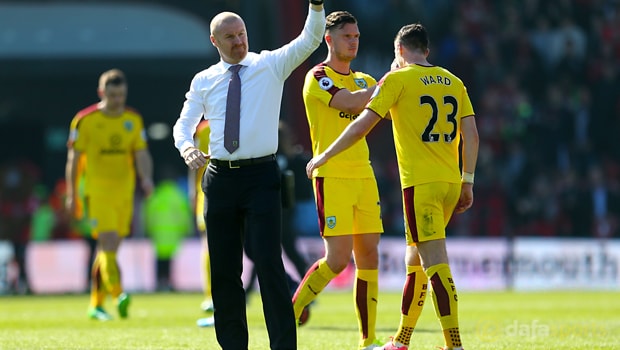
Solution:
(73, 157)
(469, 133)
(287, 58)
(352, 102)
(144, 168)
(353, 133)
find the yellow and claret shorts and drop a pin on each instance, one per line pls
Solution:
(110, 213)
(427, 209)
(347, 206)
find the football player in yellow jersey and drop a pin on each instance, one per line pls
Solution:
(346, 194)
(431, 114)
(111, 137)
(197, 197)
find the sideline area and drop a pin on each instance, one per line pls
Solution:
(479, 264)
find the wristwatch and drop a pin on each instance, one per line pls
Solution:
(316, 2)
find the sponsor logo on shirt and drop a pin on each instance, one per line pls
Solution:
(348, 116)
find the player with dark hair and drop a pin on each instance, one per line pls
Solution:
(431, 115)
(346, 193)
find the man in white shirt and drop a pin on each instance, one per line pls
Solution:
(242, 180)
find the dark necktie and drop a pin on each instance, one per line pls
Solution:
(233, 107)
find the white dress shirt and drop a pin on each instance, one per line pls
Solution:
(262, 82)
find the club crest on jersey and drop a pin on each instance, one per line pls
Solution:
(361, 83)
(326, 83)
(128, 125)
(331, 221)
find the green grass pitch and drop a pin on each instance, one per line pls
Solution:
(489, 320)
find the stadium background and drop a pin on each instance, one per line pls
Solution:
(542, 75)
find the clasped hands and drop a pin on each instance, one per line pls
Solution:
(195, 158)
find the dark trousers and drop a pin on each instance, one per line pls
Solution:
(289, 243)
(244, 205)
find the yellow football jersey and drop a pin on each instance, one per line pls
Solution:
(426, 104)
(326, 123)
(109, 143)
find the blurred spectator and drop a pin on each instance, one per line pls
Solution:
(545, 80)
(17, 204)
(603, 204)
(43, 218)
(295, 186)
(168, 220)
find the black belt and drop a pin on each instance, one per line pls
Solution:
(232, 164)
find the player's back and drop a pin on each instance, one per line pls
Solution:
(427, 105)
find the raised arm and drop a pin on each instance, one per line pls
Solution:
(291, 55)
(316, 5)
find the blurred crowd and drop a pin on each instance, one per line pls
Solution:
(543, 78)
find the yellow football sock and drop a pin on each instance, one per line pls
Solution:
(366, 292)
(206, 273)
(317, 277)
(445, 300)
(414, 294)
(110, 274)
(97, 292)
(452, 337)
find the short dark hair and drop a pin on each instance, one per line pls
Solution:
(114, 77)
(413, 37)
(338, 19)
